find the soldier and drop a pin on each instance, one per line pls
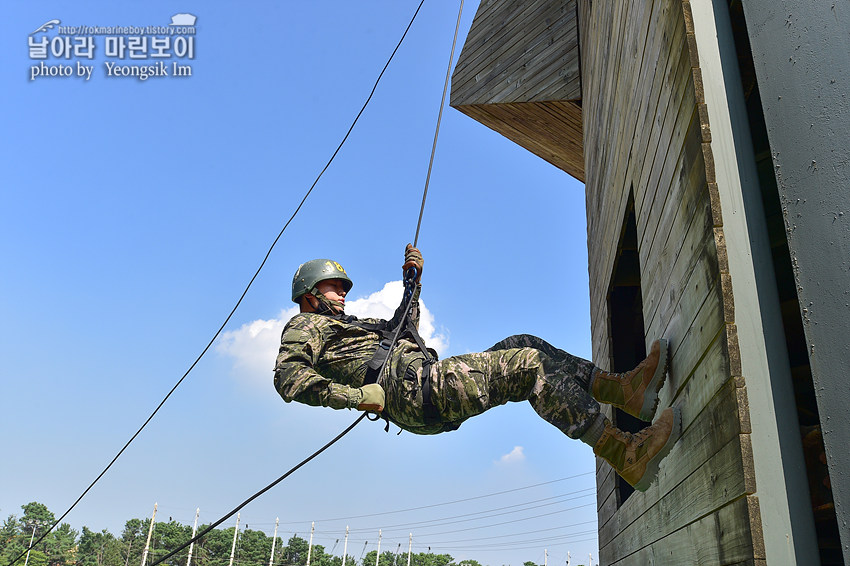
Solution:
(332, 360)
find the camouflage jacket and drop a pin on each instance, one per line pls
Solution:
(322, 359)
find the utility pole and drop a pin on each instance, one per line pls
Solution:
(235, 534)
(150, 532)
(274, 541)
(378, 556)
(568, 558)
(30, 546)
(310, 548)
(589, 559)
(409, 548)
(194, 531)
(345, 546)
(545, 557)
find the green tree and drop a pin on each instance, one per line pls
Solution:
(166, 537)
(387, 558)
(427, 559)
(133, 541)
(254, 547)
(319, 557)
(99, 549)
(12, 541)
(37, 518)
(295, 552)
(61, 544)
(57, 548)
(37, 558)
(213, 549)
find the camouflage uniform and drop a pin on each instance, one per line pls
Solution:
(322, 361)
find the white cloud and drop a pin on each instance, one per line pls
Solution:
(253, 347)
(513, 457)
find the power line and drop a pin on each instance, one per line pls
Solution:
(565, 538)
(453, 531)
(465, 517)
(443, 544)
(464, 500)
(555, 543)
(513, 520)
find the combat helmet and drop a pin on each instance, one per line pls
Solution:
(312, 272)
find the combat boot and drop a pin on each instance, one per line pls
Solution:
(635, 457)
(636, 391)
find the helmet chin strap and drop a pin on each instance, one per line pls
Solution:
(326, 305)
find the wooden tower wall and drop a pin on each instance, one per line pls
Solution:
(646, 133)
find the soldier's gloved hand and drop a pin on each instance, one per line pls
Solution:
(372, 399)
(412, 258)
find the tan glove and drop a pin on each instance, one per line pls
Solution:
(412, 258)
(372, 399)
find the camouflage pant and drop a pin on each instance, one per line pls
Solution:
(518, 368)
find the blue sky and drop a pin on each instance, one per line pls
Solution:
(135, 212)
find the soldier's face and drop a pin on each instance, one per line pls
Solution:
(334, 290)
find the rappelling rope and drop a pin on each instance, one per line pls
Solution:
(408, 281)
(437, 129)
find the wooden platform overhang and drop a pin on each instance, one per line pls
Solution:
(519, 74)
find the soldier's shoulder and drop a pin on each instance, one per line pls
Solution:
(306, 321)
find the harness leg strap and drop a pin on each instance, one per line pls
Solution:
(432, 415)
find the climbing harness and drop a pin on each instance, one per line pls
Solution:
(390, 331)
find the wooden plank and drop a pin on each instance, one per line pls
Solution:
(494, 28)
(695, 280)
(646, 65)
(683, 312)
(532, 126)
(651, 98)
(623, 127)
(706, 410)
(608, 509)
(706, 429)
(559, 62)
(662, 41)
(604, 260)
(669, 89)
(536, 59)
(688, 206)
(683, 149)
(498, 29)
(627, 101)
(533, 37)
(602, 277)
(691, 341)
(724, 537)
(714, 484)
(677, 117)
(589, 84)
(610, 118)
(603, 16)
(559, 79)
(583, 8)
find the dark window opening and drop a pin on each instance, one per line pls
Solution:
(625, 307)
(823, 506)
